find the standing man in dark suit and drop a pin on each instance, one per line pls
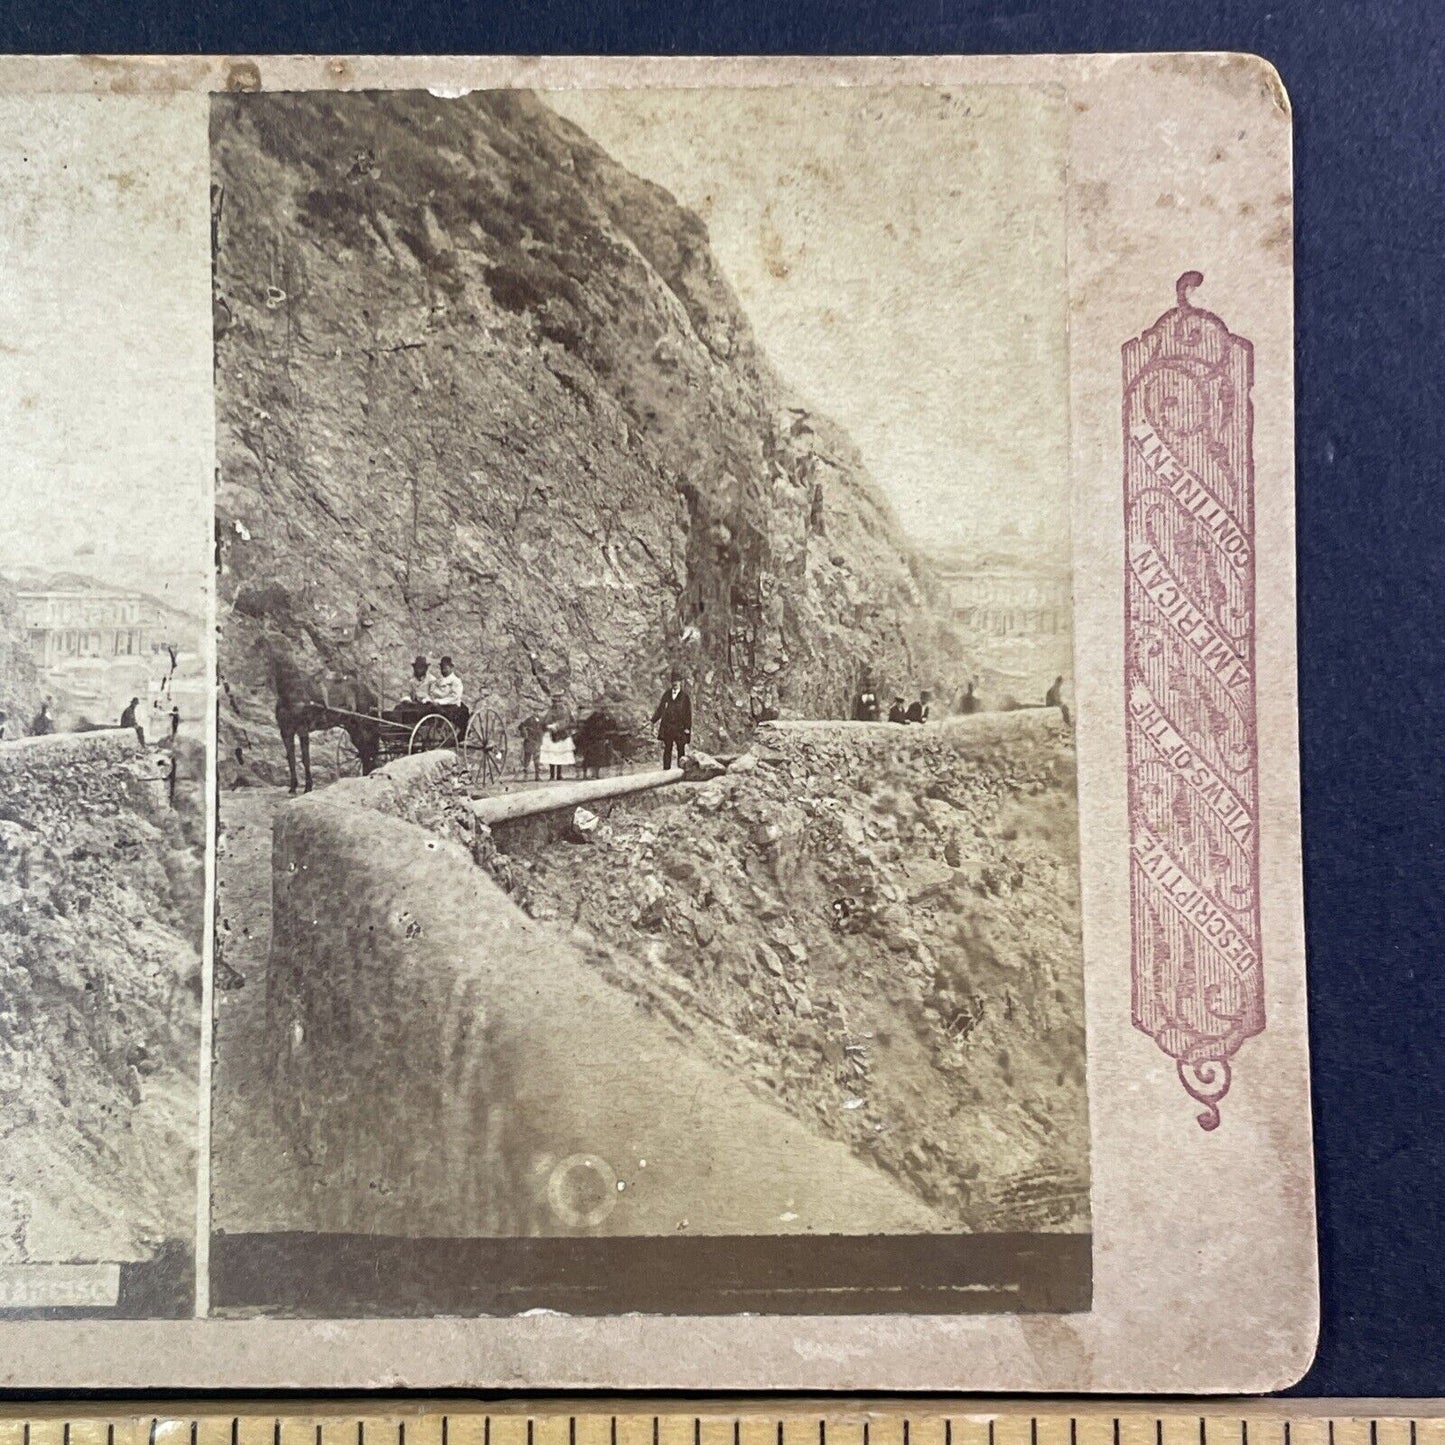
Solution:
(673, 717)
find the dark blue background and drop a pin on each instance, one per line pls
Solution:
(1367, 82)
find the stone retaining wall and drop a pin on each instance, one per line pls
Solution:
(444, 1065)
(20, 754)
(43, 776)
(886, 739)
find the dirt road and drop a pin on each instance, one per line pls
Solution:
(242, 1141)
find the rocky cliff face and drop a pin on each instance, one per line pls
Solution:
(482, 391)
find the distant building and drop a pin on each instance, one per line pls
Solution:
(1006, 599)
(70, 624)
(96, 646)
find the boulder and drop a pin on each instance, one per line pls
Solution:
(701, 767)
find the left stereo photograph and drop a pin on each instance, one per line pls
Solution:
(105, 707)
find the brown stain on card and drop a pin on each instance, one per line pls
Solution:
(149, 75)
(1060, 1352)
(771, 245)
(1239, 75)
(119, 77)
(242, 76)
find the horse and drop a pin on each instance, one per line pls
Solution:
(307, 704)
(603, 740)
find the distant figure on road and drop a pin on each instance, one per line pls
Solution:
(898, 712)
(865, 705)
(918, 710)
(127, 720)
(557, 750)
(968, 703)
(531, 730)
(1055, 698)
(673, 716)
(175, 721)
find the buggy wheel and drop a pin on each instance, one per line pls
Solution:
(431, 733)
(348, 760)
(484, 748)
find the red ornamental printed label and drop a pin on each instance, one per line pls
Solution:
(1189, 681)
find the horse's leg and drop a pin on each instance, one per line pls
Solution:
(363, 739)
(306, 756)
(288, 738)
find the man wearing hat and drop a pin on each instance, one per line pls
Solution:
(416, 692)
(673, 717)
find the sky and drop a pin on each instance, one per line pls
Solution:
(900, 254)
(106, 417)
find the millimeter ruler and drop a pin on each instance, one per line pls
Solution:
(820, 1421)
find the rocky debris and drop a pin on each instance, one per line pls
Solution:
(101, 913)
(490, 395)
(884, 935)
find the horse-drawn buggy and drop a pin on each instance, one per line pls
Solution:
(368, 734)
(367, 740)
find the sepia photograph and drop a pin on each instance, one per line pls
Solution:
(105, 687)
(648, 842)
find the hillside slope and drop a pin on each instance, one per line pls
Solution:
(876, 926)
(20, 688)
(101, 903)
(482, 391)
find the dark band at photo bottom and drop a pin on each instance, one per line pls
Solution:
(355, 1275)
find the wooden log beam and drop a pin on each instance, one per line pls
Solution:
(559, 796)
